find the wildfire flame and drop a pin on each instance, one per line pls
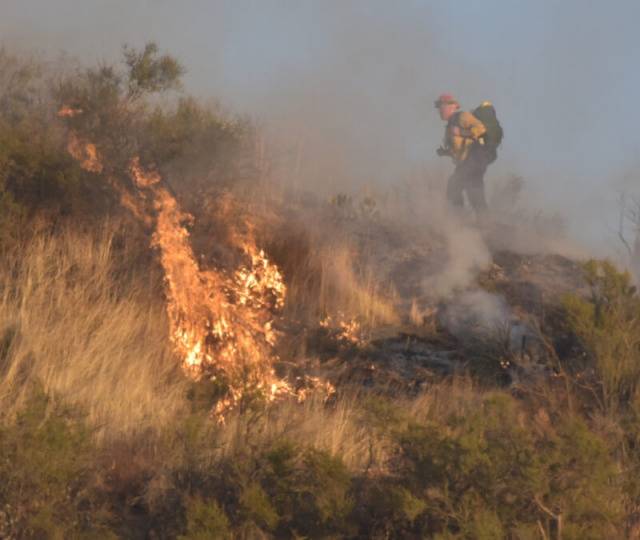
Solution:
(86, 153)
(344, 329)
(68, 112)
(221, 324)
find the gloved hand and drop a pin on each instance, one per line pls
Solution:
(442, 151)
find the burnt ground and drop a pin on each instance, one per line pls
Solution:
(441, 336)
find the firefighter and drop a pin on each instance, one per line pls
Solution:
(464, 141)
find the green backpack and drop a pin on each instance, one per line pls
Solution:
(493, 136)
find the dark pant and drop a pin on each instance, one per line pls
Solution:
(469, 177)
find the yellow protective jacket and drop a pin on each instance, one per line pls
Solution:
(469, 131)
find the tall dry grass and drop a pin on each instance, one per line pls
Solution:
(354, 289)
(326, 277)
(357, 426)
(337, 429)
(93, 335)
(90, 333)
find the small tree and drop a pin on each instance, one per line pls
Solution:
(149, 72)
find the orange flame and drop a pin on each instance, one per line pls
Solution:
(86, 153)
(221, 324)
(68, 112)
(347, 330)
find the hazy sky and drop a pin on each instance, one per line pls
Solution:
(363, 75)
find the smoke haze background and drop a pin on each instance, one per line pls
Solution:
(354, 82)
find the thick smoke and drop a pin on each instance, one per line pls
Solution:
(466, 255)
(477, 312)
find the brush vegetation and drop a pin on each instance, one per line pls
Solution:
(102, 435)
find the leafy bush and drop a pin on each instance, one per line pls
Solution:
(205, 520)
(195, 140)
(45, 474)
(310, 490)
(150, 73)
(491, 470)
(608, 327)
(257, 507)
(196, 145)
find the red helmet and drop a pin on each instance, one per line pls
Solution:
(446, 99)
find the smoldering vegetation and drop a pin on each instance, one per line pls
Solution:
(486, 380)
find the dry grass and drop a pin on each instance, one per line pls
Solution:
(357, 292)
(327, 264)
(336, 429)
(348, 428)
(69, 324)
(326, 279)
(450, 397)
(97, 339)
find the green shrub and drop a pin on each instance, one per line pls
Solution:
(608, 326)
(485, 525)
(385, 508)
(35, 168)
(257, 507)
(310, 490)
(492, 463)
(205, 520)
(194, 140)
(148, 72)
(45, 474)
(12, 219)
